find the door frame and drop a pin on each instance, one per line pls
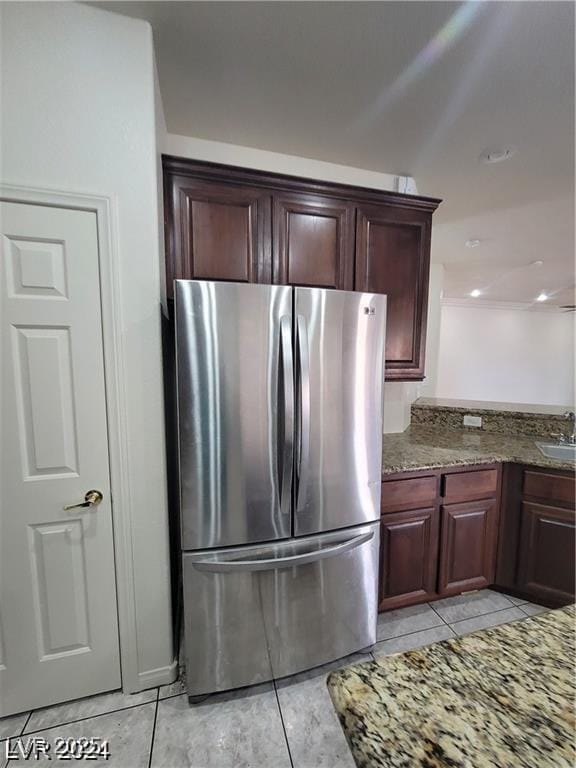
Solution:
(105, 208)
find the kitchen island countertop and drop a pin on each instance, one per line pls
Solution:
(501, 696)
(421, 448)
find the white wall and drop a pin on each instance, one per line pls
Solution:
(506, 354)
(79, 116)
(275, 162)
(428, 387)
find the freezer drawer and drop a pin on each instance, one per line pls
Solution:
(255, 613)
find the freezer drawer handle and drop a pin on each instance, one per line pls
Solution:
(303, 420)
(274, 563)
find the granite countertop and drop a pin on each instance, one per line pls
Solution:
(499, 697)
(423, 447)
(491, 406)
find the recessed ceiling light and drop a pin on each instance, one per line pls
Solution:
(472, 243)
(542, 297)
(537, 263)
(475, 293)
(497, 154)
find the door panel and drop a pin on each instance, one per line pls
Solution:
(408, 557)
(468, 546)
(57, 594)
(59, 585)
(393, 257)
(339, 379)
(235, 386)
(45, 401)
(249, 626)
(219, 232)
(313, 241)
(546, 567)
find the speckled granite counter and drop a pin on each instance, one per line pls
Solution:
(510, 418)
(422, 447)
(499, 697)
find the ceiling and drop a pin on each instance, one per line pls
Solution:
(412, 88)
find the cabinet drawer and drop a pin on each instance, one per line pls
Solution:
(413, 492)
(549, 487)
(470, 485)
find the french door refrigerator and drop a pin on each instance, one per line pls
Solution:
(280, 440)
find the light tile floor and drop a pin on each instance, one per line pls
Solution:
(289, 723)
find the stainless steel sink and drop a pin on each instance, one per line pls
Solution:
(562, 451)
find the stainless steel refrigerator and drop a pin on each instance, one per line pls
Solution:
(280, 440)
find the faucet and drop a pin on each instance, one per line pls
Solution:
(570, 439)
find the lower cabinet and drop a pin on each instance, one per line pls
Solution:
(546, 553)
(409, 557)
(448, 531)
(537, 538)
(468, 546)
(447, 543)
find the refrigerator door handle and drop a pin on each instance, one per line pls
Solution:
(286, 365)
(303, 440)
(274, 563)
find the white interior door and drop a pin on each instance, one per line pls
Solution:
(58, 619)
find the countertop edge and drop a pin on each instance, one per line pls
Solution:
(470, 457)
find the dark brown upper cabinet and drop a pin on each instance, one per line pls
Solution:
(217, 232)
(227, 223)
(393, 257)
(313, 241)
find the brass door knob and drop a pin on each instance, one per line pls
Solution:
(91, 499)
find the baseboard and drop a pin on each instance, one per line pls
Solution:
(160, 676)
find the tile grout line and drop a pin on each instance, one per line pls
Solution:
(153, 729)
(437, 614)
(444, 623)
(16, 735)
(480, 615)
(530, 615)
(485, 613)
(406, 634)
(10, 761)
(172, 695)
(26, 723)
(282, 721)
(88, 717)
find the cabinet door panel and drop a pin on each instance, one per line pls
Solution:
(408, 557)
(546, 555)
(217, 232)
(468, 546)
(313, 241)
(393, 257)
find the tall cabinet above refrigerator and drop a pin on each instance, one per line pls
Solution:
(280, 443)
